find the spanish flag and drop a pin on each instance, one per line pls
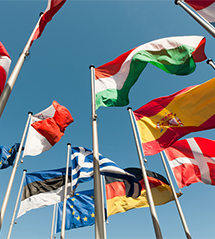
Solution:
(117, 201)
(164, 120)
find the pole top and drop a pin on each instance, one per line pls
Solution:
(24, 170)
(30, 113)
(68, 144)
(129, 108)
(41, 13)
(208, 61)
(176, 2)
(91, 66)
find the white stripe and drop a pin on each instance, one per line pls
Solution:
(179, 161)
(208, 13)
(43, 199)
(117, 81)
(5, 63)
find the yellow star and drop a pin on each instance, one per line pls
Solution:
(77, 193)
(85, 218)
(91, 196)
(78, 218)
(92, 215)
(73, 199)
(73, 213)
(71, 206)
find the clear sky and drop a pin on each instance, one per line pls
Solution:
(95, 32)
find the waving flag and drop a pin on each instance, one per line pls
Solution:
(44, 188)
(8, 155)
(5, 62)
(205, 8)
(164, 120)
(52, 8)
(79, 211)
(46, 129)
(174, 55)
(192, 160)
(117, 201)
(82, 170)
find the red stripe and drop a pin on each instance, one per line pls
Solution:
(199, 4)
(3, 51)
(155, 106)
(199, 53)
(2, 78)
(112, 67)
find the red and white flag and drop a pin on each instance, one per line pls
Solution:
(192, 160)
(46, 129)
(5, 62)
(52, 8)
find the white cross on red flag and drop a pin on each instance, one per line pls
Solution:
(192, 160)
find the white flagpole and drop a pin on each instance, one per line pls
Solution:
(176, 199)
(16, 205)
(210, 62)
(53, 221)
(13, 76)
(65, 193)
(12, 176)
(146, 182)
(100, 227)
(207, 26)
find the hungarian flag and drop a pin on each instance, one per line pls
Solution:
(192, 161)
(46, 129)
(164, 120)
(204, 8)
(5, 62)
(117, 201)
(52, 8)
(174, 55)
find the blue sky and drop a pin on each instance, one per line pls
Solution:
(95, 32)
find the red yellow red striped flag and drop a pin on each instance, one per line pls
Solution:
(164, 120)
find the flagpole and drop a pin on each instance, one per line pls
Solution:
(210, 62)
(13, 76)
(53, 220)
(146, 182)
(176, 199)
(65, 193)
(16, 205)
(207, 26)
(12, 176)
(100, 227)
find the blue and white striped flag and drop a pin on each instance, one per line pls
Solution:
(82, 170)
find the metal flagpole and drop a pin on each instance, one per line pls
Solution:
(65, 193)
(12, 176)
(100, 227)
(210, 62)
(146, 182)
(53, 220)
(16, 205)
(176, 199)
(207, 26)
(13, 76)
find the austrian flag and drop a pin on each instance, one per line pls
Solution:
(46, 129)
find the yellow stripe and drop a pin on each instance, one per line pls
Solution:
(193, 108)
(161, 195)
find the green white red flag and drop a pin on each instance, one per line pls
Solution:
(174, 55)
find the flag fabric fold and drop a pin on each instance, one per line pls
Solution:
(204, 8)
(164, 120)
(53, 7)
(46, 129)
(8, 155)
(117, 201)
(44, 188)
(5, 62)
(82, 170)
(174, 55)
(79, 211)
(192, 160)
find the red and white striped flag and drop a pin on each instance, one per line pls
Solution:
(5, 62)
(46, 129)
(52, 8)
(192, 160)
(204, 8)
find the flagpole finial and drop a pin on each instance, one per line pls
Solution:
(176, 2)
(24, 170)
(91, 66)
(68, 144)
(208, 61)
(41, 13)
(30, 113)
(129, 108)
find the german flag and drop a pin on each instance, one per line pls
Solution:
(164, 120)
(116, 192)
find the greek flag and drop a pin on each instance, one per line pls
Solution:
(82, 170)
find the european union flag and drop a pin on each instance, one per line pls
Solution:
(8, 155)
(79, 211)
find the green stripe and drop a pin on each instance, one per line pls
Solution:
(177, 61)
